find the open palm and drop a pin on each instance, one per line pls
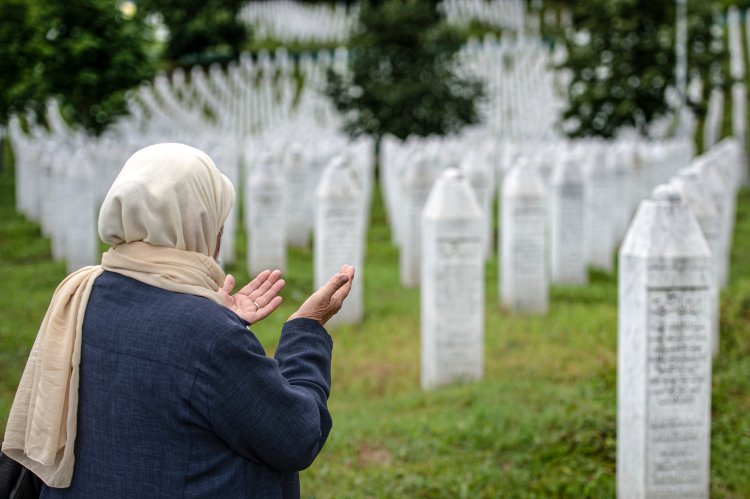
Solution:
(255, 301)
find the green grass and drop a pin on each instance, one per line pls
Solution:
(540, 424)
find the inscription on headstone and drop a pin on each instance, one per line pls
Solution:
(677, 389)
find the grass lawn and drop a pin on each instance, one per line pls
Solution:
(541, 424)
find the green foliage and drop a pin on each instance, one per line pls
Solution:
(86, 53)
(622, 59)
(742, 4)
(105, 54)
(17, 57)
(401, 77)
(200, 30)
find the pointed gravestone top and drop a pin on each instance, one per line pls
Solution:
(665, 226)
(338, 180)
(666, 194)
(523, 181)
(452, 198)
(178, 78)
(688, 183)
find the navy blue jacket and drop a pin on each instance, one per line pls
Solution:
(178, 399)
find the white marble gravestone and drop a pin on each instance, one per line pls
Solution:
(395, 171)
(567, 237)
(418, 179)
(664, 353)
(714, 117)
(737, 72)
(81, 242)
(265, 217)
(623, 180)
(695, 194)
(739, 112)
(339, 235)
(728, 160)
(524, 282)
(62, 191)
(452, 283)
(481, 177)
(600, 210)
(298, 187)
(712, 180)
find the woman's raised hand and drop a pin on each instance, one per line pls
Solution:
(258, 299)
(325, 302)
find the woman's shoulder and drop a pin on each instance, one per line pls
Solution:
(118, 288)
(121, 304)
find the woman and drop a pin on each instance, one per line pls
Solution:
(144, 380)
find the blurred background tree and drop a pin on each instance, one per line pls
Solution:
(18, 57)
(622, 62)
(200, 30)
(85, 53)
(401, 77)
(93, 52)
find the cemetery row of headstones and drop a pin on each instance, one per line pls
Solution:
(672, 264)
(578, 182)
(523, 93)
(236, 114)
(245, 98)
(289, 21)
(555, 223)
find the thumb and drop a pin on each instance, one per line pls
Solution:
(335, 283)
(228, 284)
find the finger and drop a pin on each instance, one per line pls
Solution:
(335, 283)
(255, 283)
(264, 312)
(343, 292)
(271, 278)
(271, 293)
(229, 283)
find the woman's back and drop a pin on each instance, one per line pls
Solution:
(164, 380)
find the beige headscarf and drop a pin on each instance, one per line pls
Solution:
(162, 217)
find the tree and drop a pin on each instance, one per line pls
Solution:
(18, 57)
(401, 77)
(200, 29)
(93, 54)
(85, 53)
(622, 59)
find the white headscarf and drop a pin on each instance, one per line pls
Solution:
(169, 195)
(162, 216)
